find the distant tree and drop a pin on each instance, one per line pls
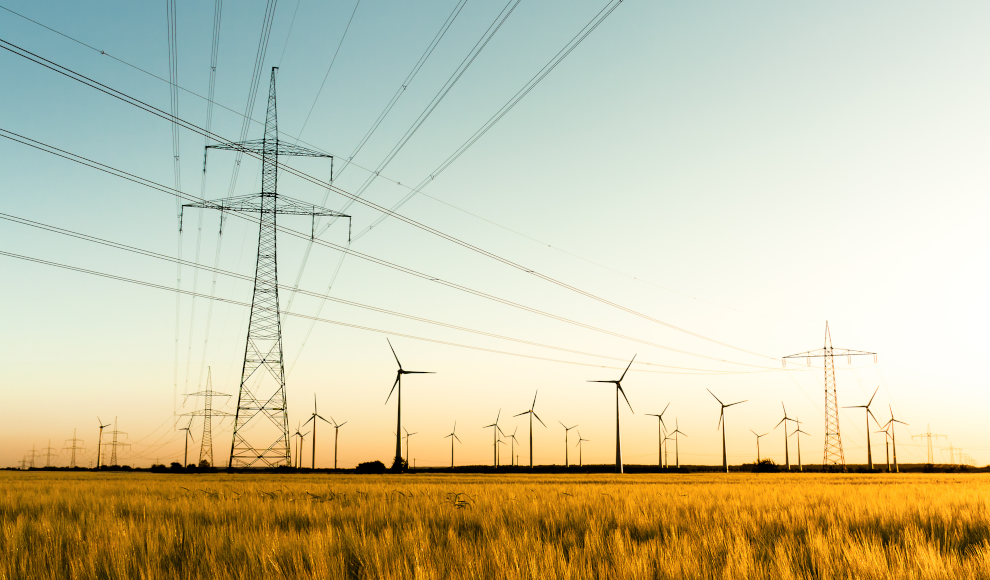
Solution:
(371, 467)
(204, 464)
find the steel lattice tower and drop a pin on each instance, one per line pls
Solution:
(833, 455)
(207, 413)
(261, 424)
(73, 448)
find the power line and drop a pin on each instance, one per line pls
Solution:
(173, 75)
(158, 112)
(339, 323)
(349, 161)
(367, 257)
(216, 271)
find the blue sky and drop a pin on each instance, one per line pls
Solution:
(741, 171)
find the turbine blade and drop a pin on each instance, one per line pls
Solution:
(523, 413)
(713, 394)
(562, 424)
(627, 368)
(722, 414)
(538, 419)
(781, 421)
(874, 396)
(341, 425)
(621, 390)
(456, 437)
(613, 382)
(664, 411)
(533, 406)
(419, 372)
(393, 388)
(736, 403)
(393, 353)
(311, 417)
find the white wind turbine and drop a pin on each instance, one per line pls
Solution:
(893, 438)
(567, 431)
(721, 424)
(452, 437)
(618, 436)
(869, 413)
(758, 443)
(580, 447)
(532, 413)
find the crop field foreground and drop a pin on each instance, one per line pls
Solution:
(140, 525)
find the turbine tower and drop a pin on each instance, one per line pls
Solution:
(580, 446)
(567, 431)
(397, 462)
(532, 414)
(452, 437)
(833, 455)
(99, 442)
(677, 448)
(261, 423)
(721, 425)
(787, 451)
(869, 413)
(758, 443)
(661, 427)
(893, 437)
(185, 456)
(313, 418)
(336, 428)
(495, 431)
(798, 432)
(207, 413)
(618, 435)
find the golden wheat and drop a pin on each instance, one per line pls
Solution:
(82, 526)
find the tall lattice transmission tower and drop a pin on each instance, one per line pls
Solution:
(73, 448)
(115, 444)
(928, 435)
(261, 425)
(833, 455)
(207, 413)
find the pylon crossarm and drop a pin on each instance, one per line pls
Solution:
(260, 147)
(821, 353)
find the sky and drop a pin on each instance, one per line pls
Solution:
(737, 173)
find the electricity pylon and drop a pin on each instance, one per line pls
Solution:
(207, 413)
(929, 435)
(73, 448)
(114, 445)
(261, 423)
(833, 439)
(48, 454)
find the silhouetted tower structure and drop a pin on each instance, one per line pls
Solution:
(207, 413)
(73, 448)
(928, 435)
(114, 445)
(48, 454)
(33, 456)
(833, 455)
(261, 424)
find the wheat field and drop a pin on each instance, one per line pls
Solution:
(141, 525)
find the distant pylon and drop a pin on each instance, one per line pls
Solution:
(115, 444)
(207, 413)
(48, 454)
(833, 455)
(73, 448)
(34, 455)
(261, 423)
(929, 435)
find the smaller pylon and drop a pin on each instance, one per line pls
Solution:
(73, 448)
(207, 413)
(929, 435)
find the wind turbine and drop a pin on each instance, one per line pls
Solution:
(495, 431)
(661, 426)
(580, 447)
(532, 414)
(721, 424)
(567, 430)
(893, 438)
(758, 443)
(398, 412)
(512, 448)
(185, 456)
(99, 443)
(452, 436)
(886, 445)
(618, 438)
(408, 436)
(336, 428)
(313, 418)
(787, 452)
(677, 447)
(666, 449)
(299, 451)
(869, 413)
(498, 442)
(798, 432)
